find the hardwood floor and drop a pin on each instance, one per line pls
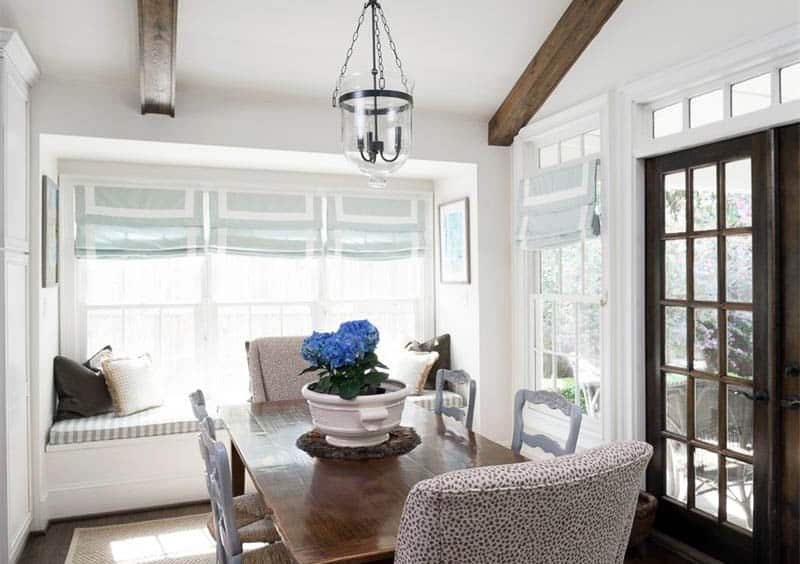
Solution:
(51, 548)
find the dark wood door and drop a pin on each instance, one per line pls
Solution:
(789, 220)
(713, 320)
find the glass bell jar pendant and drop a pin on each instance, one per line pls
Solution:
(376, 107)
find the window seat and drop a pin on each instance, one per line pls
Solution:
(172, 418)
(427, 399)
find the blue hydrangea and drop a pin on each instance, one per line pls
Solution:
(348, 345)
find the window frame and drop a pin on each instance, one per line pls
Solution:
(72, 314)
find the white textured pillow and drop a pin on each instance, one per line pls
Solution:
(133, 384)
(412, 369)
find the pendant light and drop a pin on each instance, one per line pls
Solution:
(376, 107)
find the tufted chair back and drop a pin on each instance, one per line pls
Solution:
(275, 364)
(575, 509)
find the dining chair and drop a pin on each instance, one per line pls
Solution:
(229, 540)
(572, 509)
(275, 365)
(251, 515)
(547, 444)
(460, 379)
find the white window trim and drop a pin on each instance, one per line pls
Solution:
(590, 115)
(631, 143)
(73, 173)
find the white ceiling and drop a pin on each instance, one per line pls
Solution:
(464, 55)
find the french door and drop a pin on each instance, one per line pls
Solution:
(715, 318)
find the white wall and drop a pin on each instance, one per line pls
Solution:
(226, 118)
(646, 36)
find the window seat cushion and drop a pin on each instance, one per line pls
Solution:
(172, 418)
(428, 398)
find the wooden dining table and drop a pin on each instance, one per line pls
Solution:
(335, 510)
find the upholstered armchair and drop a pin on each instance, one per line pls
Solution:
(573, 509)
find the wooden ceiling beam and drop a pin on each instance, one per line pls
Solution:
(158, 26)
(579, 24)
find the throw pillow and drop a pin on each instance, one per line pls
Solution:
(95, 361)
(133, 384)
(412, 369)
(81, 392)
(441, 345)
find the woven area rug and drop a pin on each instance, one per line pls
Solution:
(179, 540)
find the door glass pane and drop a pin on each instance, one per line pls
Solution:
(706, 108)
(706, 481)
(751, 95)
(740, 420)
(740, 493)
(705, 269)
(704, 193)
(740, 344)
(675, 269)
(668, 120)
(706, 340)
(675, 337)
(676, 470)
(738, 205)
(706, 410)
(739, 268)
(790, 83)
(675, 401)
(675, 202)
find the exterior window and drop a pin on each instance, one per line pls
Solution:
(668, 120)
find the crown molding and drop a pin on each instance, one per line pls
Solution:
(13, 49)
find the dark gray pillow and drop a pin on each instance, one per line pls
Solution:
(81, 391)
(441, 345)
(97, 358)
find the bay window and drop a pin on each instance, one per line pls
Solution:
(190, 275)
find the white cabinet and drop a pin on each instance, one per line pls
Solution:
(17, 73)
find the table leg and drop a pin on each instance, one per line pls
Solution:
(237, 471)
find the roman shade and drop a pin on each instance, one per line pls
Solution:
(265, 223)
(558, 206)
(376, 227)
(129, 222)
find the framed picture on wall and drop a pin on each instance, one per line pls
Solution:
(454, 242)
(49, 232)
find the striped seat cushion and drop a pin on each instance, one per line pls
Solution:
(428, 398)
(172, 418)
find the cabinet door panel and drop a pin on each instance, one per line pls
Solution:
(16, 163)
(17, 426)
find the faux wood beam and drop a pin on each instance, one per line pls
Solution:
(158, 26)
(580, 23)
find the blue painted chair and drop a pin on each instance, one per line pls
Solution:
(553, 401)
(229, 542)
(458, 378)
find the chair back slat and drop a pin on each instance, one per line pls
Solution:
(218, 481)
(198, 401)
(553, 401)
(457, 378)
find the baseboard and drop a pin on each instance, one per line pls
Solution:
(17, 544)
(682, 549)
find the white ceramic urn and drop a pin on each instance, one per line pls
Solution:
(362, 421)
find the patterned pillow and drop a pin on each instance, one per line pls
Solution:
(441, 345)
(133, 384)
(412, 369)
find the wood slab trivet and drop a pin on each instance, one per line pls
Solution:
(401, 441)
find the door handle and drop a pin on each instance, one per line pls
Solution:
(757, 396)
(792, 368)
(792, 402)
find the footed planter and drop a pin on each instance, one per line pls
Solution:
(360, 422)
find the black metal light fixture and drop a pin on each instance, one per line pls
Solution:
(376, 116)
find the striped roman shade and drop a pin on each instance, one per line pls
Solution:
(265, 223)
(376, 227)
(129, 222)
(558, 206)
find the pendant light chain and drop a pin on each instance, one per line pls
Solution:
(349, 54)
(381, 77)
(393, 46)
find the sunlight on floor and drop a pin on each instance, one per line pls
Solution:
(152, 548)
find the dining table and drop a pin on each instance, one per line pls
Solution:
(343, 511)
